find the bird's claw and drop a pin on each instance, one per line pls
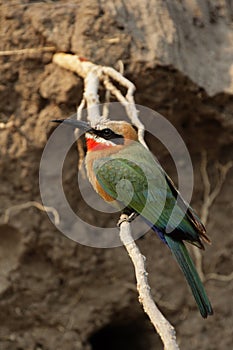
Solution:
(132, 216)
(126, 218)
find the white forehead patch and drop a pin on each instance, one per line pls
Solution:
(99, 139)
(105, 123)
(101, 123)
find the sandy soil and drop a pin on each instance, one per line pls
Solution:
(55, 293)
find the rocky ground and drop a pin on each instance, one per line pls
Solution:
(55, 293)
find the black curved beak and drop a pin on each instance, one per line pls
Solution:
(80, 124)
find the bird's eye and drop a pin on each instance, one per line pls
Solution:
(107, 133)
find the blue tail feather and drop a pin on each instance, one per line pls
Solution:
(187, 266)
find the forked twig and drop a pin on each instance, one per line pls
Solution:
(208, 200)
(92, 75)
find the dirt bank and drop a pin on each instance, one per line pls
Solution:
(55, 293)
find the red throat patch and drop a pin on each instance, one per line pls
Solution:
(93, 145)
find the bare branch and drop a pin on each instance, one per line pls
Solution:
(27, 205)
(162, 326)
(93, 75)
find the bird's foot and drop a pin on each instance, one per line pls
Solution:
(128, 218)
(132, 216)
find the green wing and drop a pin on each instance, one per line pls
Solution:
(145, 189)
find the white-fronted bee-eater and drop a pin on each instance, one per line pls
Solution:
(122, 170)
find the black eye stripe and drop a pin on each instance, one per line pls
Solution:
(108, 134)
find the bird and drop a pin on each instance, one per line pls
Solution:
(124, 173)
